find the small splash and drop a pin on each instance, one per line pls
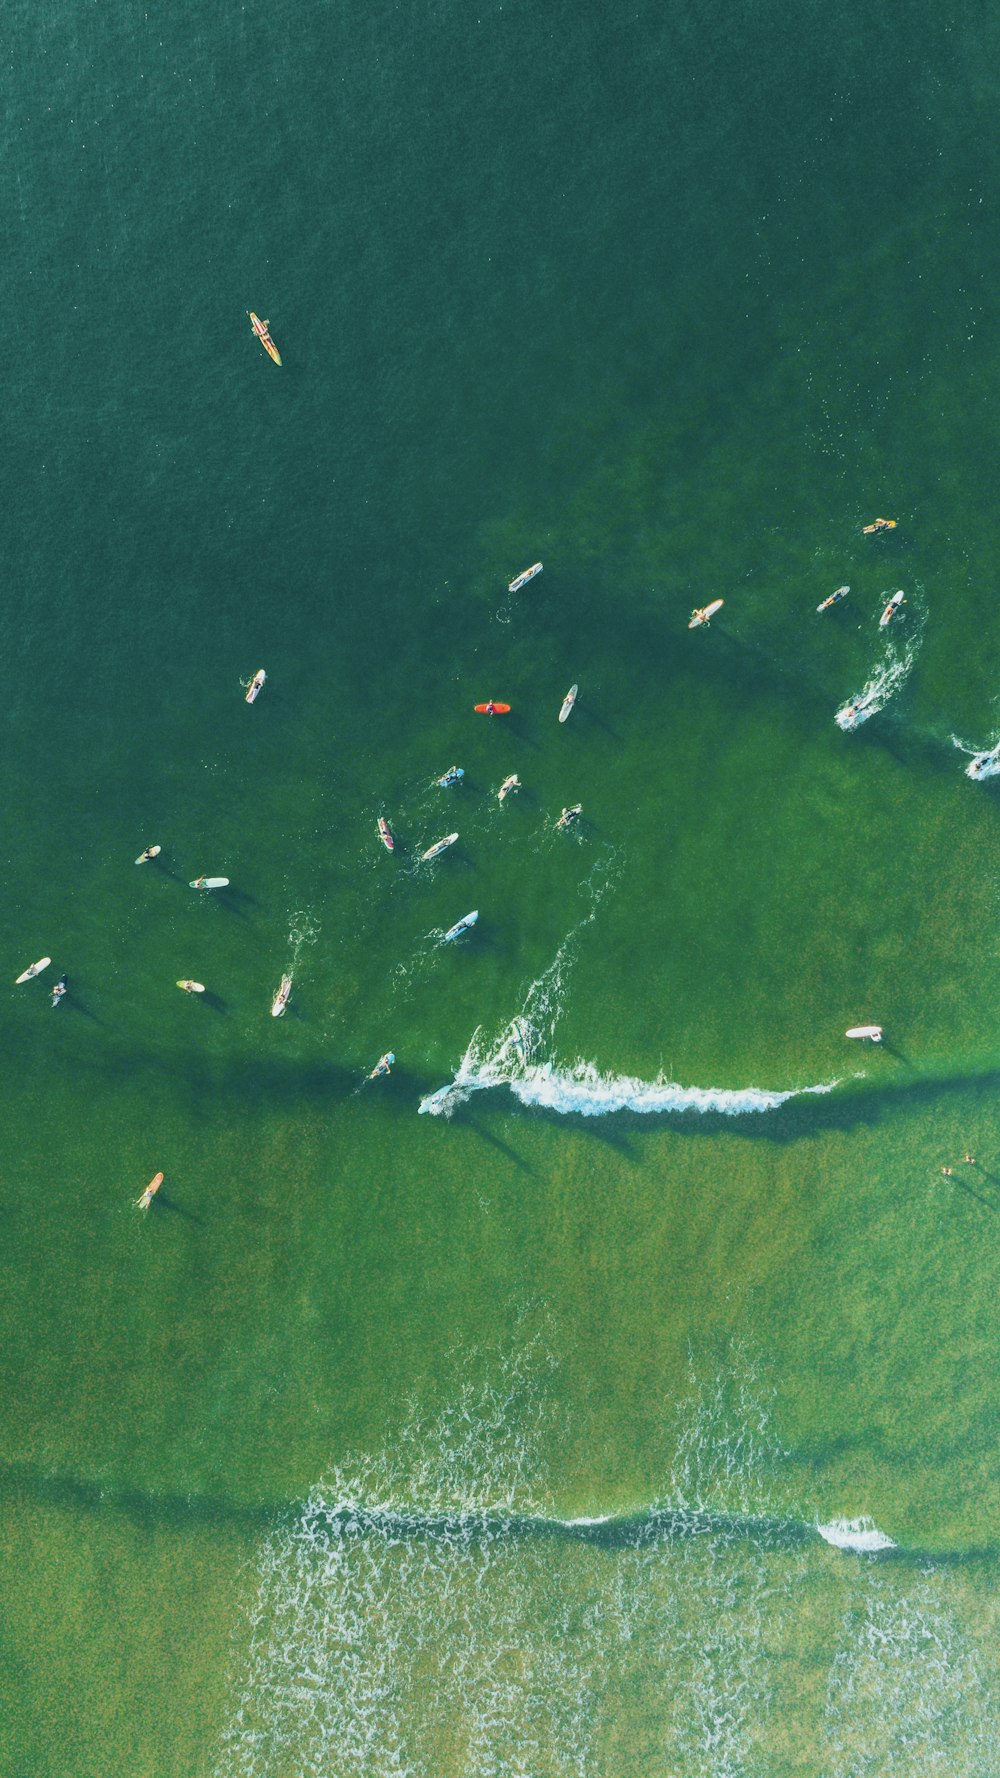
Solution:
(303, 929)
(861, 1535)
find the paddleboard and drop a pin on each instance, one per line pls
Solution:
(705, 614)
(872, 1031)
(36, 969)
(442, 845)
(253, 689)
(192, 987)
(568, 701)
(209, 883)
(462, 925)
(385, 833)
(520, 580)
(491, 709)
(150, 852)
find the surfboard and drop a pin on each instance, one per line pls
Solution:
(893, 606)
(872, 1031)
(453, 775)
(36, 969)
(568, 701)
(442, 845)
(462, 925)
(253, 689)
(280, 1000)
(706, 613)
(520, 580)
(492, 709)
(260, 329)
(385, 833)
(209, 883)
(150, 852)
(834, 599)
(192, 987)
(153, 1187)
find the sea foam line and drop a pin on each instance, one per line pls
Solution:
(465, 1526)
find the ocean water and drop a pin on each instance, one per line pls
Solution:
(610, 1390)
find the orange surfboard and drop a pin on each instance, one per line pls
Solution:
(492, 709)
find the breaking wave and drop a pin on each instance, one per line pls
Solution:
(425, 1612)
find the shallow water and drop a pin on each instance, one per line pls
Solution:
(674, 1277)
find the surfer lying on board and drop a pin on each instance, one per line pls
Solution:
(568, 816)
(143, 1201)
(878, 525)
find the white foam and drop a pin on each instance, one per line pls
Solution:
(890, 673)
(584, 1092)
(861, 1535)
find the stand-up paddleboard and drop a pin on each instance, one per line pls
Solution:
(254, 688)
(442, 846)
(150, 852)
(705, 614)
(209, 883)
(453, 775)
(509, 784)
(520, 580)
(491, 709)
(834, 599)
(280, 1000)
(59, 991)
(462, 925)
(872, 1031)
(893, 606)
(192, 987)
(260, 329)
(385, 834)
(26, 975)
(383, 1065)
(568, 701)
(879, 525)
(152, 1188)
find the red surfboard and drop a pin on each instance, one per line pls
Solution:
(492, 709)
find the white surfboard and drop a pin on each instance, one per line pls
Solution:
(36, 969)
(568, 701)
(521, 580)
(462, 925)
(706, 613)
(209, 883)
(872, 1031)
(254, 688)
(442, 846)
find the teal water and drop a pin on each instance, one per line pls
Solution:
(301, 1467)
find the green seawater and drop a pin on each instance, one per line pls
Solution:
(497, 1441)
